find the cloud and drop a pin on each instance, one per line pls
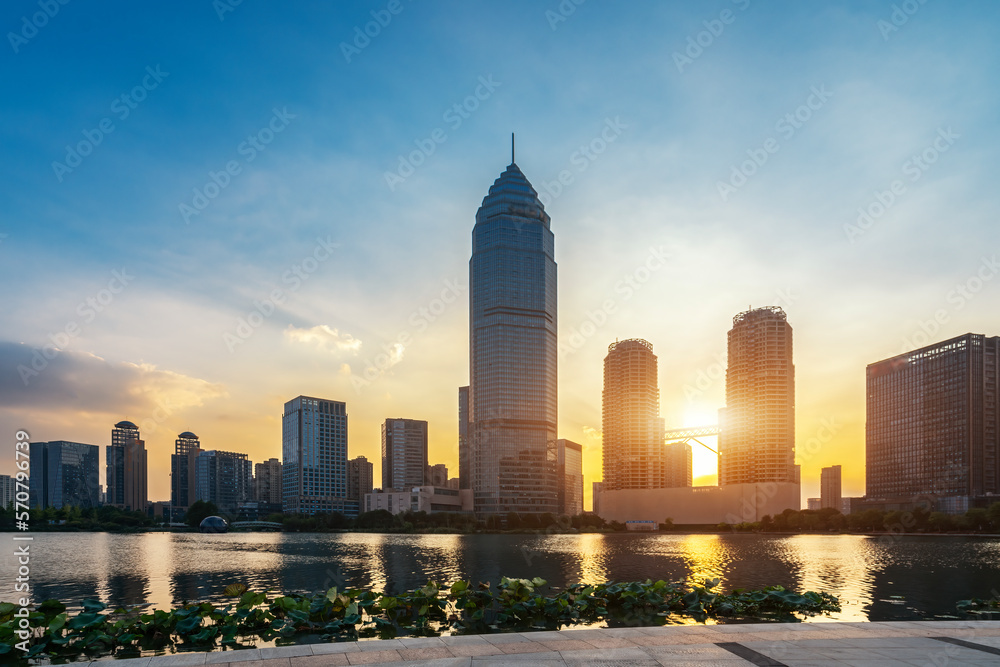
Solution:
(71, 380)
(325, 338)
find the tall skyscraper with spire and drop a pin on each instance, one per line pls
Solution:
(513, 351)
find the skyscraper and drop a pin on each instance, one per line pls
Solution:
(464, 442)
(437, 475)
(64, 474)
(678, 460)
(126, 468)
(829, 487)
(404, 453)
(223, 478)
(267, 482)
(632, 443)
(360, 478)
(182, 473)
(569, 471)
(314, 456)
(933, 425)
(757, 426)
(513, 351)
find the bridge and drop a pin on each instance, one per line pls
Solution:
(255, 525)
(686, 434)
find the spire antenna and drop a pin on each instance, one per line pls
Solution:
(512, 148)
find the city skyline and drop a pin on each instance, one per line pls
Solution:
(685, 183)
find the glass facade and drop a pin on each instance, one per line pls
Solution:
(513, 350)
(64, 474)
(223, 478)
(570, 472)
(314, 457)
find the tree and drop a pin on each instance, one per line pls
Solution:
(977, 519)
(993, 512)
(199, 511)
(939, 522)
(376, 520)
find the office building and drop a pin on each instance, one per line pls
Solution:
(430, 499)
(63, 474)
(932, 432)
(513, 351)
(314, 457)
(597, 490)
(267, 482)
(437, 475)
(404, 453)
(360, 478)
(182, 472)
(829, 487)
(464, 443)
(126, 468)
(757, 426)
(678, 464)
(223, 478)
(813, 503)
(8, 488)
(569, 474)
(632, 448)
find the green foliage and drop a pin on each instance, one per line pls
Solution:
(347, 614)
(199, 511)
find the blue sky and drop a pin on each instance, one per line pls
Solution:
(662, 134)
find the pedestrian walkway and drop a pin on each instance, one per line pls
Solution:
(921, 643)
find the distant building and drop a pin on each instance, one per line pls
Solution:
(829, 487)
(513, 351)
(360, 478)
(813, 503)
(430, 499)
(8, 489)
(569, 472)
(598, 489)
(437, 475)
(126, 468)
(464, 443)
(182, 473)
(632, 449)
(223, 478)
(64, 474)
(678, 459)
(454, 483)
(932, 435)
(314, 457)
(757, 426)
(404, 453)
(267, 482)
(701, 505)
(851, 505)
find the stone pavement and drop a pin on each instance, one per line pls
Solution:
(923, 643)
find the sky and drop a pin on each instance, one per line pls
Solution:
(211, 208)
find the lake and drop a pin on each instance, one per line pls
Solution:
(877, 579)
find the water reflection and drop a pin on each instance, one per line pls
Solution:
(877, 579)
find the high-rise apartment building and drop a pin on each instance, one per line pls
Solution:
(182, 472)
(223, 478)
(757, 426)
(437, 475)
(632, 444)
(678, 462)
(314, 457)
(464, 443)
(360, 478)
(569, 474)
(126, 468)
(267, 482)
(64, 474)
(597, 490)
(8, 489)
(932, 430)
(513, 351)
(829, 487)
(404, 453)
